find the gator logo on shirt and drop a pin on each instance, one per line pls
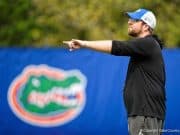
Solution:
(45, 96)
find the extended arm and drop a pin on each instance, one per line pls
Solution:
(101, 46)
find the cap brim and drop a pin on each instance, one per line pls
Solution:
(132, 15)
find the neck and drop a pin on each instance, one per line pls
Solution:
(144, 34)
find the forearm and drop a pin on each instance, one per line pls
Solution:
(102, 45)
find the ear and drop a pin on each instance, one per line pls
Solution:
(146, 27)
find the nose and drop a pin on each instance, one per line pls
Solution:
(129, 22)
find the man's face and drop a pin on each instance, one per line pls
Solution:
(135, 27)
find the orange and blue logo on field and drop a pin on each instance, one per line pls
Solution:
(46, 96)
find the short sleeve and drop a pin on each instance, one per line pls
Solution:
(137, 47)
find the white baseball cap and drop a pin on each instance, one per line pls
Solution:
(145, 15)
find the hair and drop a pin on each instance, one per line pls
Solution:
(150, 30)
(161, 43)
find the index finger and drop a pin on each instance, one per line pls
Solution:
(66, 42)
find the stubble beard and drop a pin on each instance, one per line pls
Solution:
(132, 33)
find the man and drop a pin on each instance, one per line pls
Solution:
(144, 91)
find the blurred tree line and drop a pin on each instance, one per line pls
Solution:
(41, 23)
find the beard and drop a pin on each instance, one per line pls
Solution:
(132, 32)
